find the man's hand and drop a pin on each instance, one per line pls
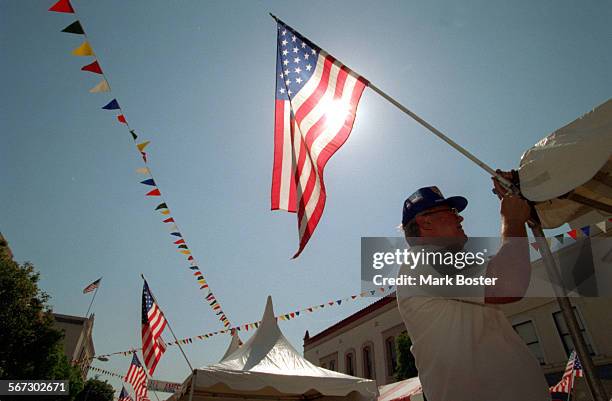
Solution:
(514, 209)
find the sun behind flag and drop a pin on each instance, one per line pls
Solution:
(153, 324)
(315, 104)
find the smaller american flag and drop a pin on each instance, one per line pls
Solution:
(573, 368)
(153, 324)
(124, 396)
(137, 377)
(92, 286)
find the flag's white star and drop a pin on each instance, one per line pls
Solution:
(306, 55)
(285, 62)
(282, 90)
(288, 82)
(313, 51)
(303, 45)
(298, 80)
(296, 60)
(295, 49)
(289, 92)
(284, 32)
(285, 52)
(284, 42)
(287, 72)
(308, 67)
(298, 70)
(293, 38)
(281, 75)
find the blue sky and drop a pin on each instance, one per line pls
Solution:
(197, 79)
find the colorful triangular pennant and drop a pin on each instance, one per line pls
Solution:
(93, 67)
(586, 230)
(75, 28)
(133, 134)
(62, 6)
(112, 105)
(154, 192)
(148, 182)
(101, 87)
(142, 146)
(83, 50)
(161, 206)
(121, 119)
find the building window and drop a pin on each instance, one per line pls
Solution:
(332, 365)
(368, 362)
(349, 361)
(324, 365)
(526, 331)
(568, 344)
(391, 356)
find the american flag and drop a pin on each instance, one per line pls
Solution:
(572, 369)
(137, 377)
(316, 101)
(92, 286)
(124, 396)
(153, 323)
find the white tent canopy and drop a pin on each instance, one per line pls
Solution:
(234, 344)
(570, 166)
(268, 367)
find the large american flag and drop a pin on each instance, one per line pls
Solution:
(572, 369)
(316, 102)
(153, 323)
(137, 377)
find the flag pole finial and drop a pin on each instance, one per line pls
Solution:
(274, 17)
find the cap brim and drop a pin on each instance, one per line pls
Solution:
(457, 202)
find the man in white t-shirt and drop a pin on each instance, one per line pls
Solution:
(464, 347)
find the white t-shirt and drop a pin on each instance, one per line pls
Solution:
(467, 351)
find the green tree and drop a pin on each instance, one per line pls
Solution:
(406, 366)
(96, 390)
(30, 347)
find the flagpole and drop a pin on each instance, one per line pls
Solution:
(92, 301)
(171, 331)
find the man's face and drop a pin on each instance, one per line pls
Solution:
(441, 221)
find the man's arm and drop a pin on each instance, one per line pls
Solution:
(511, 264)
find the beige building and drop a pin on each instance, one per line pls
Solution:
(78, 340)
(363, 344)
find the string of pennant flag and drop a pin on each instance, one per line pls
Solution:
(576, 233)
(253, 325)
(107, 372)
(85, 49)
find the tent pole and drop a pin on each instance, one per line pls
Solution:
(598, 393)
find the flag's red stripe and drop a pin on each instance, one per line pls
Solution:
(277, 168)
(292, 182)
(314, 98)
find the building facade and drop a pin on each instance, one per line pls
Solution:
(78, 339)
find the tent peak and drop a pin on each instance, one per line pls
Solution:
(269, 311)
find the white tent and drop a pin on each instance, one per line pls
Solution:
(405, 390)
(569, 173)
(267, 367)
(233, 346)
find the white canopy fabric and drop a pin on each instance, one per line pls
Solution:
(234, 344)
(575, 158)
(405, 390)
(268, 367)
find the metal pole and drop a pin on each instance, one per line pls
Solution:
(598, 392)
(168, 324)
(92, 301)
(193, 377)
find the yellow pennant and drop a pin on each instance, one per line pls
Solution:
(186, 252)
(165, 212)
(101, 87)
(143, 145)
(83, 50)
(143, 170)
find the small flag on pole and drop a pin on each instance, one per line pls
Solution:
(316, 102)
(572, 369)
(124, 396)
(153, 324)
(92, 286)
(137, 377)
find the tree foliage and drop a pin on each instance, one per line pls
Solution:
(96, 390)
(30, 347)
(406, 365)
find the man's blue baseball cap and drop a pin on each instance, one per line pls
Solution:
(426, 198)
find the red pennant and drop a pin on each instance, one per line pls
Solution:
(573, 233)
(62, 6)
(93, 67)
(169, 220)
(121, 119)
(181, 241)
(154, 192)
(144, 156)
(190, 258)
